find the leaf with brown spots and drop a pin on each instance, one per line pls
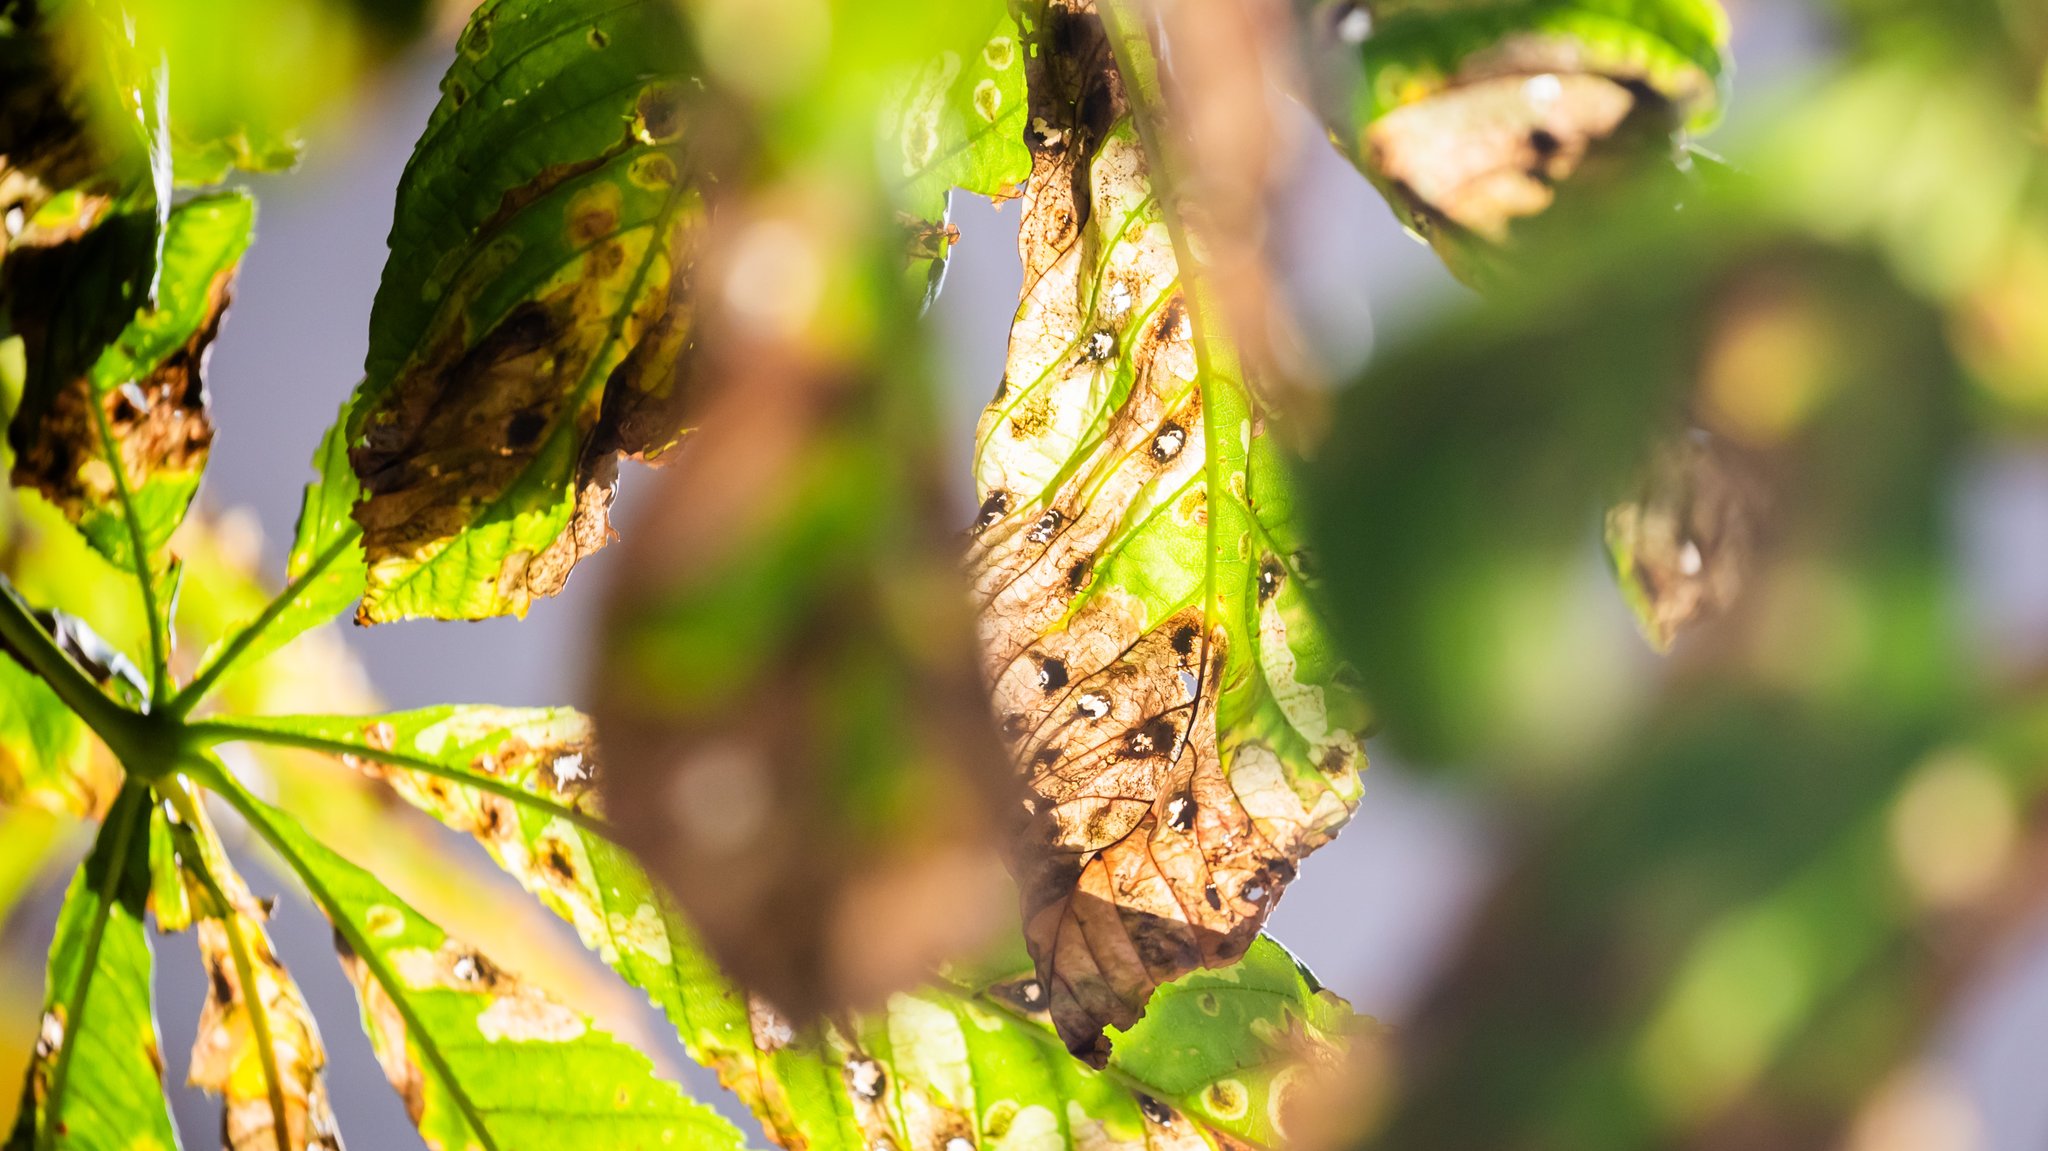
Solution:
(535, 310)
(1469, 116)
(120, 448)
(261, 1052)
(956, 122)
(459, 1037)
(1226, 1059)
(1159, 668)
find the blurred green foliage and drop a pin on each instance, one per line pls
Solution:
(1736, 876)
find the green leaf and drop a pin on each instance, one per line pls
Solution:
(1159, 664)
(45, 750)
(461, 1039)
(974, 1059)
(96, 1083)
(323, 575)
(1468, 116)
(1247, 1049)
(958, 123)
(120, 448)
(528, 328)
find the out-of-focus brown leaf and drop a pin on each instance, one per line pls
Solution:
(1491, 150)
(1683, 545)
(1226, 135)
(797, 742)
(1470, 117)
(1157, 663)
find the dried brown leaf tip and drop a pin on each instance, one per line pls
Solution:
(261, 1053)
(796, 740)
(1159, 670)
(257, 1047)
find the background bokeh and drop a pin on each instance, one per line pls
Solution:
(1375, 915)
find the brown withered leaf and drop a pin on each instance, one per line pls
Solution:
(257, 1046)
(263, 1057)
(1158, 665)
(797, 744)
(1491, 151)
(1683, 547)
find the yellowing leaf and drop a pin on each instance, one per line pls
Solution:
(1254, 1055)
(459, 1038)
(1158, 666)
(534, 311)
(257, 1046)
(46, 754)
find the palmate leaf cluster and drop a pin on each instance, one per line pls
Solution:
(698, 234)
(538, 321)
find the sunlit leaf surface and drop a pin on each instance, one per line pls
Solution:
(1158, 664)
(533, 311)
(459, 1038)
(1227, 1058)
(96, 1083)
(957, 123)
(323, 575)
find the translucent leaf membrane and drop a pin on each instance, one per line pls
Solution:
(528, 328)
(460, 1038)
(83, 133)
(1228, 1058)
(1186, 729)
(96, 1080)
(957, 122)
(257, 1046)
(1469, 116)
